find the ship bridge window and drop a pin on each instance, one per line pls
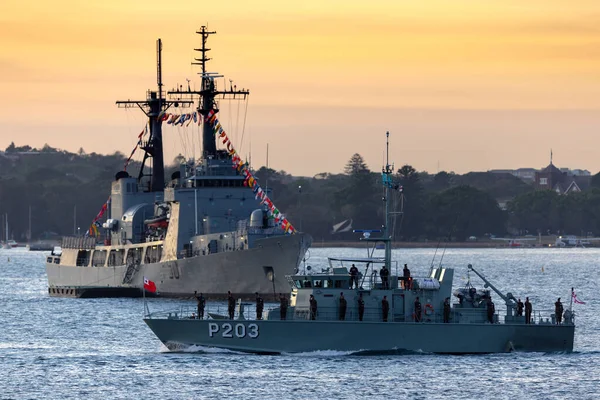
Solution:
(318, 283)
(115, 257)
(307, 284)
(328, 283)
(134, 256)
(83, 258)
(298, 284)
(339, 284)
(99, 258)
(153, 254)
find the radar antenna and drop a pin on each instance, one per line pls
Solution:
(153, 106)
(208, 93)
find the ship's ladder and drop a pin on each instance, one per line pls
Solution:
(132, 268)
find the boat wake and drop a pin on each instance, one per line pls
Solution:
(182, 348)
(363, 352)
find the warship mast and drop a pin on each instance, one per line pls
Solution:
(153, 106)
(208, 93)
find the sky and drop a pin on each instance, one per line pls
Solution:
(461, 85)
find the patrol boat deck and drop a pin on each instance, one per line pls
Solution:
(465, 327)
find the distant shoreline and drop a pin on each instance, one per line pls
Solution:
(429, 245)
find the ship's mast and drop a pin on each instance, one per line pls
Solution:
(152, 107)
(387, 172)
(208, 93)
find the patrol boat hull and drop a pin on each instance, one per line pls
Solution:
(242, 272)
(354, 336)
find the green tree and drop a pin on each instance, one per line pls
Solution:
(463, 211)
(356, 165)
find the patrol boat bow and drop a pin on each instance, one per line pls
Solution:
(430, 325)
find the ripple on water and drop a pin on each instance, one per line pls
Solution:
(98, 348)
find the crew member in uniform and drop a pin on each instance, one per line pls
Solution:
(283, 304)
(447, 310)
(385, 274)
(313, 307)
(260, 304)
(201, 303)
(406, 277)
(491, 309)
(558, 310)
(385, 308)
(343, 305)
(230, 304)
(527, 311)
(361, 307)
(519, 308)
(417, 310)
(353, 276)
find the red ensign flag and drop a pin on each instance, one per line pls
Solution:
(149, 285)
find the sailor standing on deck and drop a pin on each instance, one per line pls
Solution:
(385, 308)
(343, 305)
(313, 307)
(491, 309)
(406, 276)
(353, 276)
(558, 310)
(519, 308)
(230, 304)
(447, 310)
(384, 273)
(201, 304)
(417, 310)
(260, 304)
(283, 304)
(527, 311)
(361, 307)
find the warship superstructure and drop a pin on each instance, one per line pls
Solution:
(316, 320)
(202, 230)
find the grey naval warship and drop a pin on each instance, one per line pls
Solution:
(466, 326)
(200, 231)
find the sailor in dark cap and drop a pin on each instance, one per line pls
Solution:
(361, 307)
(528, 310)
(447, 310)
(418, 310)
(230, 305)
(558, 310)
(343, 305)
(313, 307)
(384, 273)
(260, 303)
(353, 276)
(519, 308)
(201, 303)
(283, 304)
(385, 308)
(491, 309)
(406, 277)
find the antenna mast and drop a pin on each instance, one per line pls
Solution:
(208, 93)
(153, 106)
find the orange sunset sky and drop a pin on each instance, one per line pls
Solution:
(462, 85)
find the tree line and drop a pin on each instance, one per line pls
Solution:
(66, 190)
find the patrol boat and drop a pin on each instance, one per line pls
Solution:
(203, 232)
(466, 327)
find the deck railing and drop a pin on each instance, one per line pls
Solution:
(371, 314)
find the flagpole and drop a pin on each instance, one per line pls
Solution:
(146, 311)
(571, 303)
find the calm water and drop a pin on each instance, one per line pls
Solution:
(100, 348)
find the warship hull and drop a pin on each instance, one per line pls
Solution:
(242, 272)
(353, 336)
